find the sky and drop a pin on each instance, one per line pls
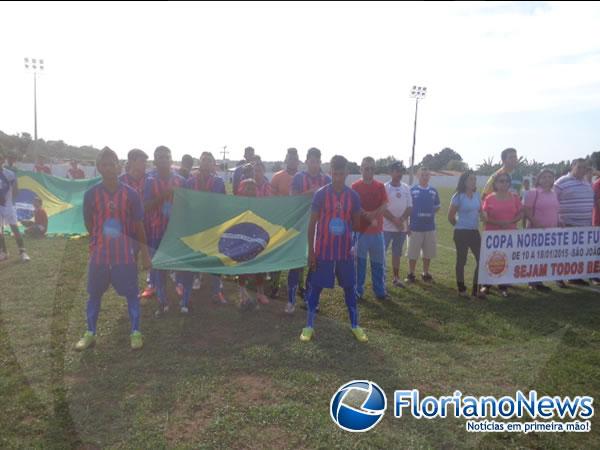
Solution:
(197, 77)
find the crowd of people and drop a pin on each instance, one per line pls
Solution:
(127, 216)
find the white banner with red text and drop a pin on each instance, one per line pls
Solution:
(525, 256)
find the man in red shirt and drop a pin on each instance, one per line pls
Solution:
(41, 167)
(75, 172)
(373, 200)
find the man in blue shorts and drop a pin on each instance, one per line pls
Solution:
(335, 212)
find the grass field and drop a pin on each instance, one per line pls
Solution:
(220, 378)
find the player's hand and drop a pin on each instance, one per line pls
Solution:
(146, 261)
(312, 262)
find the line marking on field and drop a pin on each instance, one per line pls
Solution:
(447, 248)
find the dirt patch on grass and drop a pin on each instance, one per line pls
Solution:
(186, 426)
(253, 389)
(433, 324)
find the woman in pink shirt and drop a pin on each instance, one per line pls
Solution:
(501, 211)
(540, 207)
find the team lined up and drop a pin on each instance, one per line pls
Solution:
(342, 233)
(348, 226)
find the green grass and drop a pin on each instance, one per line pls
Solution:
(220, 378)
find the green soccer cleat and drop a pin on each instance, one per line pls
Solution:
(88, 340)
(360, 334)
(307, 334)
(136, 340)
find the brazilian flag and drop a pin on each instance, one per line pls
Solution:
(62, 199)
(223, 234)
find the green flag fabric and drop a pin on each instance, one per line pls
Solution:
(62, 199)
(224, 234)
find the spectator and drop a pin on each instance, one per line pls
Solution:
(576, 200)
(41, 167)
(501, 211)
(74, 172)
(540, 208)
(510, 161)
(395, 217)
(466, 203)
(373, 199)
(596, 216)
(422, 237)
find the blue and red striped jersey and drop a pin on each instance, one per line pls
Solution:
(264, 190)
(303, 182)
(212, 183)
(112, 216)
(136, 185)
(157, 219)
(334, 225)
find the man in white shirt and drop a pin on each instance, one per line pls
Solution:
(395, 217)
(8, 214)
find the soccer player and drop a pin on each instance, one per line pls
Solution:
(422, 239)
(306, 182)
(75, 172)
(187, 163)
(158, 201)
(204, 180)
(135, 178)
(237, 174)
(8, 214)
(113, 217)
(282, 181)
(335, 212)
(249, 188)
(263, 187)
(374, 201)
(135, 171)
(281, 184)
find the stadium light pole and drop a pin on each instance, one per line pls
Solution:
(34, 65)
(418, 93)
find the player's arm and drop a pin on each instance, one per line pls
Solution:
(88, 211)
(140, 233)
(388, 215)
(15, 190)
(452, 214)
(437, 205)
(312, 225)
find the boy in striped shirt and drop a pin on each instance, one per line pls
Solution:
(204, 180)
(306, 182)
(335, 212)
(113, 217)
(158, 201)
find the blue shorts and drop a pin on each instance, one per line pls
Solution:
(327, 271)
(397, 239)
(123, 277)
